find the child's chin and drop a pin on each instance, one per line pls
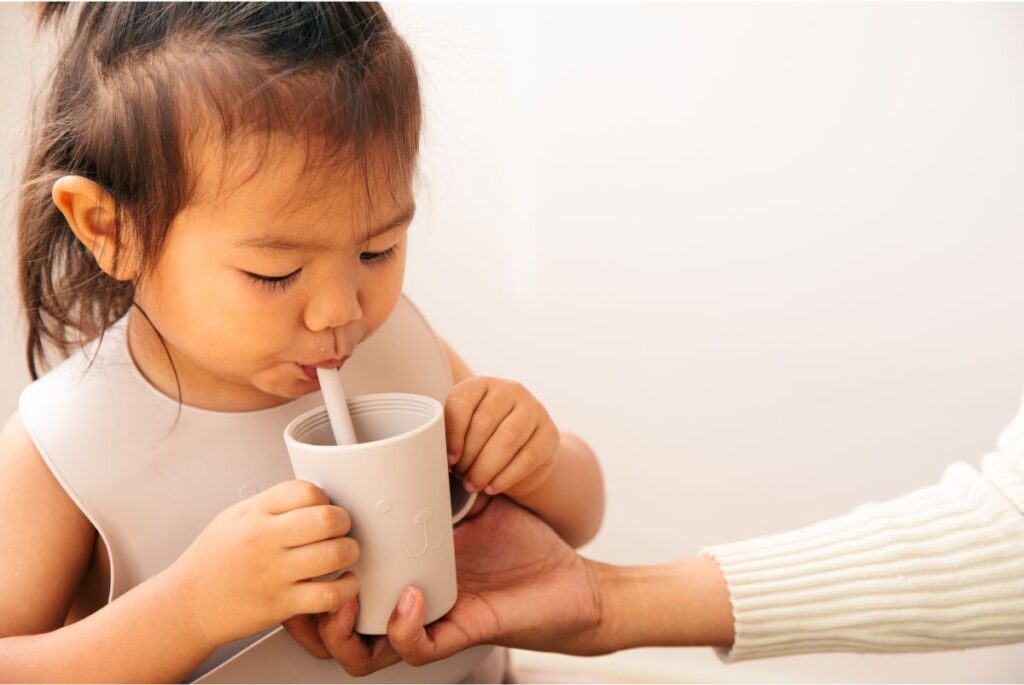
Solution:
(294, 389)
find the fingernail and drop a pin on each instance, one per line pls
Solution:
(405, 603)
(489, 489)
(468, 486)
(452, 458)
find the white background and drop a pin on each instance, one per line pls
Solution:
(766, 259)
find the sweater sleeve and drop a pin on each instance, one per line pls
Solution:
(939, 568)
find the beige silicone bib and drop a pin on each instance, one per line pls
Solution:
(150, 486)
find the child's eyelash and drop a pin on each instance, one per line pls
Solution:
(273, 282)
(282, 282)
(379, 258)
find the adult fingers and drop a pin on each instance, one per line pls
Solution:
(303, 630)
(358, 655)
(412, 642)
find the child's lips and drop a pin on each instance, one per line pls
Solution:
(310, 369)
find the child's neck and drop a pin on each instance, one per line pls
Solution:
(199, 388)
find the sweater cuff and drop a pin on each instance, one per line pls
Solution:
(939, 568)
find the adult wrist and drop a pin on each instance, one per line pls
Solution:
(680, 604)
(620, 624)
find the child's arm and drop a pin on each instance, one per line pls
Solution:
(571, 499)
(245, 572)
(505, 443)
(46, 544)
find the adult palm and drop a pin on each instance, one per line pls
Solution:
(520, 585)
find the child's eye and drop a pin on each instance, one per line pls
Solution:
(273, 282)
(379, 258)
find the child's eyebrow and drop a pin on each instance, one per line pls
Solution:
(280, 242)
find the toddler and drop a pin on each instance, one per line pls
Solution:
(215, 204)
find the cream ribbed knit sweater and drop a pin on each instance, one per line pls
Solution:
(939, 568)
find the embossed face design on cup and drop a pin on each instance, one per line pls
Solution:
(396, 487)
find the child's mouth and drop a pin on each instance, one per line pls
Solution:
(309, 370)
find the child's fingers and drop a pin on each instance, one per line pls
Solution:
(289, 495)
(532, 456)
(489, 414)
(320, 558)
(458, 411)
(312, 524)
(506, 441)
(322, 596)
(303, 630)
(359, 656)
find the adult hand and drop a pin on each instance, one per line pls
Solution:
(519, 585)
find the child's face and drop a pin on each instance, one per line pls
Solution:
(256, 287)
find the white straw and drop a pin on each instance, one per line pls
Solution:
(337, 406)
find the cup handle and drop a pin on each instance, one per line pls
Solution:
(454, 481)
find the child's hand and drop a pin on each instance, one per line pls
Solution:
(500, 438)
(248, 569)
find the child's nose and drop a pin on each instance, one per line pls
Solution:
(332, 305)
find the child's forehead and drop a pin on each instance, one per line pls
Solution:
(279, 177)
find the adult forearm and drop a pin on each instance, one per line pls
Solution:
(144, 635)
(680, 604)
(571, 500)
(938, 568)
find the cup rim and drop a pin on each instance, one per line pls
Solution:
(434, 405)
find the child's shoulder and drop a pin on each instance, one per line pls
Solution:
(24, 474)
(17, 449)
(52, 538)
(82, 390)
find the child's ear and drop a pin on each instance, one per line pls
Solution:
(89, 211)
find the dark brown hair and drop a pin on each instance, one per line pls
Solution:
(136, 86)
